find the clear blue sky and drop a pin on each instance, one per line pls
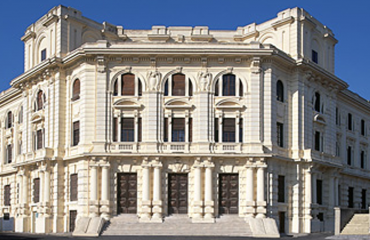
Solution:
(349, 20)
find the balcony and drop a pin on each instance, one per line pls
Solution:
(130, 147)
(174, 147)
(227, 148)
(43, 153)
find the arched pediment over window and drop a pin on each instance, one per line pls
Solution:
(178, 104)
(127, 103)
(318, 118)
(229, 104)
(37, 117)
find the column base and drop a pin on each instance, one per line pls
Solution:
(43, 224)
(22, 224)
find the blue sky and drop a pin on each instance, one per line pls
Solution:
(349, 21)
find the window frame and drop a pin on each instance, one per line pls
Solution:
(279, 91)
(7, 195)
(76, 90)
(280, 134)
(73, 193)
(76, 133)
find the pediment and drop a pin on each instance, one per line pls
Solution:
(178, 104)
(318, 118)
(126, 103)
(37, 117)
(229, 104)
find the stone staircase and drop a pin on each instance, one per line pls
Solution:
(358, 225)
(180, 225)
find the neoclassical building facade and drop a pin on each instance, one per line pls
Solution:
(249, 122)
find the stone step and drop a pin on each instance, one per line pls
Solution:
(358, 225)
(178, 225)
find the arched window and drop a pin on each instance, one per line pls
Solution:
(39, 101)
(178, 85)
(229, 86)
(9, 120)
(128, 84)
(115, 88)
(279, 91)
(317, 102)
(76, 90)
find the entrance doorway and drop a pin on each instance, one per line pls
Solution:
(228, 194)
(126, 193)
(177, 193)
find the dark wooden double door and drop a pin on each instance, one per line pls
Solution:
(228, 193)
(126, 193)
(177, 193)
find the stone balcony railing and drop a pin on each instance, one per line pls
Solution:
(125, 147)
(227, 148)
(43, 153)
(175, 147)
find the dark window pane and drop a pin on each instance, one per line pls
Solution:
(228, 85)
(40, 103)
(350, 197)
(216, 88)
(36, 190)
(190, 129)
(349, 121)
(216, 129)
(280, 91)
(317, 141)
(76, 90)
(9, 153)
(43, 54)
(362, 127)
(228, 130)
(76, 133)
(349, 155)
(178, 129)
(362, 155)
(128, 84)
(140, 88)
(127, 130)
(139, 128)
(280, 134)
(115, 129)
(39, 139)
(241, 130)
(74, 187)
(190, 88)
(281, 188)
(7, 195)
(9, 120)
(241, 89)
(363, 199)
(178, 84)
(315, 57)
(166, 88)
(319, 191)
(317, 101)
(165, 130)
(115, 88)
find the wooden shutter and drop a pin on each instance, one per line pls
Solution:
(139, 130)
(76, 133)
(190, 129)
(128, 84)
(73, 189)
(178, 124)
(36, 190)
(165, 130)
(39, 139)
(76, 90)
(7, 195)
(178, 84)
(115, 129)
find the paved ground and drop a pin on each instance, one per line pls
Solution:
(16, 236)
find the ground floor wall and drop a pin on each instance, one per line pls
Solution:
(49, 196)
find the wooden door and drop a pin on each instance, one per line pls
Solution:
(177, 193)
(282, 222)
(72, 220)
(228, 194)
(126, 193)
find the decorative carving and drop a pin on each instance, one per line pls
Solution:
(154, 78)
(204, 80)
(100, 64)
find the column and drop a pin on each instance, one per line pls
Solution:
(146, 202)
(105, 192)
(261, 203)
(250, 210)
(94, 203)
(198, 203)
(208, 198)
(308, 201)
(157, 194)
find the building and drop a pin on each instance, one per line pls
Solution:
(180, 120)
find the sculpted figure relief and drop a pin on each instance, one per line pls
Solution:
(204, 80)
(154, 78)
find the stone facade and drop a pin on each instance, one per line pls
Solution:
(252, 122)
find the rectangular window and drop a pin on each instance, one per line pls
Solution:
(349, 155)
(363, 199)
(39, 137)
(319, 191)
(127, 129)
(315, 57)
(165, 130)
(281, 188)
(280, 134)
(228, 130)
(9, 153)
(7, 195)
(349, 121)
(241, 130)
(320, 216)
(362, 156)
(317, 141)
(190, 129)
(139, 129)
(178, 129)
(73, 187)
(128, 85)
(336, 116)
(178, 85)
(228, 85)
(115, 129)
(76, 133)
(216, 129)
(350, 197)
(362, 127)
(43, 54)
(36, 190)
